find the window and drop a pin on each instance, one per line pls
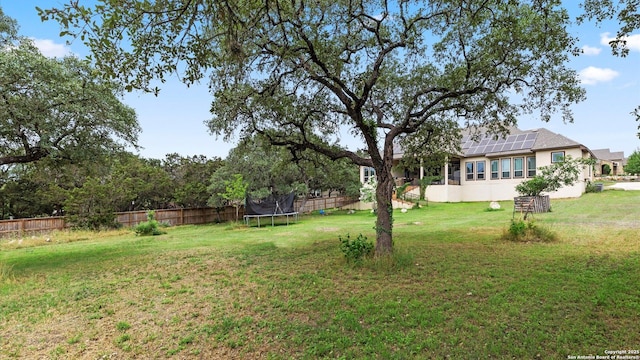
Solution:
(480, 170)
(506, 168)
(469, 169)
(369, 173)
(531, 166)
(494, 169)
(557, 156)
(518, 167)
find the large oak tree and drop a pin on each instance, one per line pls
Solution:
(53, 107)
(297, 71)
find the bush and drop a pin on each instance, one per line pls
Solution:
(355, 250)
(554, 176)
(528, 231)
(149, 227)
(401, 189)
(591, 187)
(533, 186)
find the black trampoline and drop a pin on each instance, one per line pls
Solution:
(271, 207)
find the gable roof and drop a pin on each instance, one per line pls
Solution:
(606, 154)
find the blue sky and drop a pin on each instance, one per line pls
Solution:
(174, 121)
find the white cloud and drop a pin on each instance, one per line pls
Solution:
(633, 41)
(49, 48)
(590, 51)
(593, 75)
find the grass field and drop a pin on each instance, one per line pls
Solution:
(453, 290)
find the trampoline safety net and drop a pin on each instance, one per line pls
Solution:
(272, 205)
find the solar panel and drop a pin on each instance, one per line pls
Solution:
(488, 144)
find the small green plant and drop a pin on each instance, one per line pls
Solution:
(527, 231)
(123, 325)
(74, 339)
(355, 250)
(400, 190)
(592, 188)
(518, 228)
(149, 227)
(122, 342)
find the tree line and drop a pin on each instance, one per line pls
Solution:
(89, 193)
(66, 136)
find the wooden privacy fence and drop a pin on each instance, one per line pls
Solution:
(22, 226)
(173, 217)
(323, 203)
(176, 217)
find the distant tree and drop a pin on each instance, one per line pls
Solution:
(235, 192)
(271, 169)
(56, 107)
(633, 163)
(143, 184)
(298, 71)
(606, 169)
(129, 183)
(40, 188)
(190, 177)
(92, 206)
(340, 176)
(22, 198)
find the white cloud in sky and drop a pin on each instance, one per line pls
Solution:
(49, 48)
(633, 41)
(591, 51)
(593, 75)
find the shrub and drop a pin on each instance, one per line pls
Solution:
(401, 189)
(591, 187)
(633, 163)
(149, 227)
(355, 250)
(554, 176)
(533, 186)
(528, 231)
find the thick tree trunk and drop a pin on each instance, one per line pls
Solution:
(384, 222)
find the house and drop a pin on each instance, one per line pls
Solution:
(613, 161)
(489, 167)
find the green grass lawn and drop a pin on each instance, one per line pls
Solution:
(453, 290)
